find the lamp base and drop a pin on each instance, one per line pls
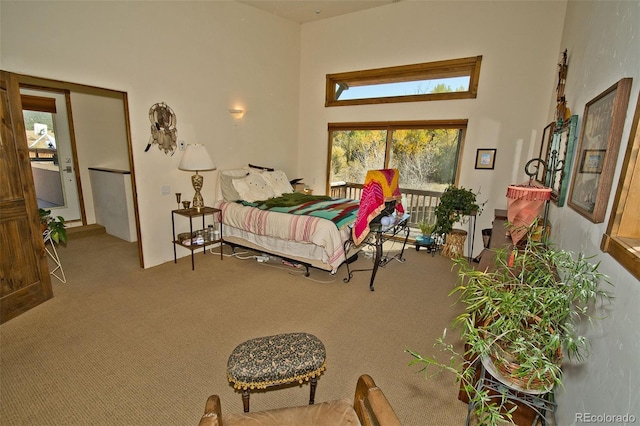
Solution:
(198, 202)
(197, 181)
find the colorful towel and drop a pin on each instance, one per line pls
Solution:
(380, 186)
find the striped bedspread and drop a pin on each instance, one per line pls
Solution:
(341, 211)
(326, 228)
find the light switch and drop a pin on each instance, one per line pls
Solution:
(166, 190)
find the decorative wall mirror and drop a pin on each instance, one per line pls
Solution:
(560, 160)
(547, 136)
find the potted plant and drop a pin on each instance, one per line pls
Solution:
(427, 228)
(520, 316)
(426, 239)
(455, 203)
(55, 225)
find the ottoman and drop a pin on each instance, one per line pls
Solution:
(276, 360)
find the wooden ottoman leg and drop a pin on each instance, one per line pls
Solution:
(312, 392)
(245, 400)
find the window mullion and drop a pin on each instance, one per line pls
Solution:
(387, 153)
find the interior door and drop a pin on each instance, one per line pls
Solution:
(24, 270)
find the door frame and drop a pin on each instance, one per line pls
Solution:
(51, 84)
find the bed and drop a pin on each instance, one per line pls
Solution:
(313, 233)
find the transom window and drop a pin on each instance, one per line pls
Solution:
(430, 81)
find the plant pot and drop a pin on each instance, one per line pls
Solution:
(425, 240)
(454, 245)
(507, 365)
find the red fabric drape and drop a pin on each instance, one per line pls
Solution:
(524, 204)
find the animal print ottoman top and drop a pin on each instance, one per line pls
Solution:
(276, 360)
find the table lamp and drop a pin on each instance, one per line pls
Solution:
(196, 158)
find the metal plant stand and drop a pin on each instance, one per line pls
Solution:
(542, 402)
(53, 254)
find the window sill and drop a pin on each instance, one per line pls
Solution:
(625, 250)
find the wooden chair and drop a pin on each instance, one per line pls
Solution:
(369, 407)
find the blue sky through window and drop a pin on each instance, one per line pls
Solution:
(403, 88)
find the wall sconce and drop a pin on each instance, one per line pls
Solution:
(236, 112)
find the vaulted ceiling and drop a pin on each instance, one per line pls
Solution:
(302, 11)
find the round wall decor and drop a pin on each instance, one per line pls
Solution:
(163, 128)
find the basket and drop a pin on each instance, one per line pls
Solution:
(506, 364)
(454, 245)
(185, 237)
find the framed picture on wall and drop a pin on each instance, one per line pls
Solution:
(598, 151)
(485, 158)
(592, 160)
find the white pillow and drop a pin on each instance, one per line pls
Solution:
(227, 177)
(279, 182)
(253, 188)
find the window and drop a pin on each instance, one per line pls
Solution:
(426, 153)
(430, 81)
(622, 239)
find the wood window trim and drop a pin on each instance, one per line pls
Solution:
(429, 70)
(410, 124)
(622, 238)
(389, 126)
(38, 103)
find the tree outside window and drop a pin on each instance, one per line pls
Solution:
(426, 153)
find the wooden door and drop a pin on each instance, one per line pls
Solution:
(24, 270)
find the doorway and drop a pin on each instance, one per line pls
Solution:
(99, 125)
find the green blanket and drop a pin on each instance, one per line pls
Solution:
(292, 199)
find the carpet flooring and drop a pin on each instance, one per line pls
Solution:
(121, 345)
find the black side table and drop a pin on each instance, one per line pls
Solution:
(191, 213)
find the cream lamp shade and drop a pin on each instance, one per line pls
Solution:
(196, 158)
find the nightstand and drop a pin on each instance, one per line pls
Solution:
(301, 188)
(194, 242)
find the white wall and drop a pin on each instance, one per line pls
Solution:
(603, 43)
(201, 58)
(101, 139)
(520, 47)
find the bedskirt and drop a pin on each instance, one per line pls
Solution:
(311, 240)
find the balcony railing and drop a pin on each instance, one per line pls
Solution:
(418, 203)
(43, 154)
